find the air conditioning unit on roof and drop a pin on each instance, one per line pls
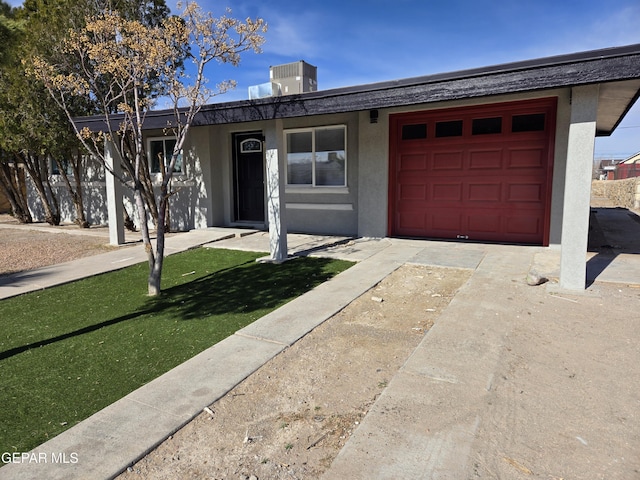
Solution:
(264, 90)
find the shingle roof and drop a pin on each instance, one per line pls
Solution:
(618, 67)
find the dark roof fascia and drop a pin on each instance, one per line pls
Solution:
(584, 68)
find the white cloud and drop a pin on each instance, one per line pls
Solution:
(619, 28)
(292, 35)
(613, 28)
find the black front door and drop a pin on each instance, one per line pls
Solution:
(248, 174)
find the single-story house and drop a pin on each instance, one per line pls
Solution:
(628, 168)
(606, 169)
(497, 154)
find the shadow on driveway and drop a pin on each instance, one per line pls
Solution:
(612, 232)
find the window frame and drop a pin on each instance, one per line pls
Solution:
(56, 172)
(163, 139)
(313, 131)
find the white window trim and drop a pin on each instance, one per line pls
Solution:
(296, 188)
(300, 188)
(336, 207)
(57, 176)
(157, 176)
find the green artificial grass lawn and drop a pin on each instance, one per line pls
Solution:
(71, 350)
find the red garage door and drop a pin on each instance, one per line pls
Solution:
(480, 173)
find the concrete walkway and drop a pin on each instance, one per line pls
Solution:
(492, 389)
(451, 369)
(422, 426)
(24, 282)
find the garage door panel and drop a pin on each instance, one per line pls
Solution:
(524, 192)
(483, 224)
(525, 225)
(410, 162)
(412, 192)
(485, 192)
(446, 192)
(412, 222)
(447, 161)
(526, 158)
(485, 159)
(445, 223)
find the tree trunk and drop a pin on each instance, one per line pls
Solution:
(75, 192)
(147, 191)
(81, 219)
(54, 205)
(78, 199)
(12, 184)
(155, 273)
(33, 166)
(155, 276)
(150, 197)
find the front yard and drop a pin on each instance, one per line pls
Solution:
(69, 351)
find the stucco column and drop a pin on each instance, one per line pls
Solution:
(577, 195)
(373, 175)
(275, 185)
(114, 194)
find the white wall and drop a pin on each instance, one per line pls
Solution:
(191, 205)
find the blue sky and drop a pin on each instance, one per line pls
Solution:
(354, 42)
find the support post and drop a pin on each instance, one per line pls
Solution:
(275, 180)
(115, 209)
(577, 195)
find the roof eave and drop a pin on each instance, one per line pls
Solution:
(599, 66)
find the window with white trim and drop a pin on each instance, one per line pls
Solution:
(317, 157)
(160, 151)
(66, 166)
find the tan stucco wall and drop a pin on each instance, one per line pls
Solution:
(623, 193)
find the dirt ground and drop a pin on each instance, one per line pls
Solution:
(291, 418)
(565, 398)
(25, 249)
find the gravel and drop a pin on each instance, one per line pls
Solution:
(23, 248)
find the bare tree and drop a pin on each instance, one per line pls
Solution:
(119, 63)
